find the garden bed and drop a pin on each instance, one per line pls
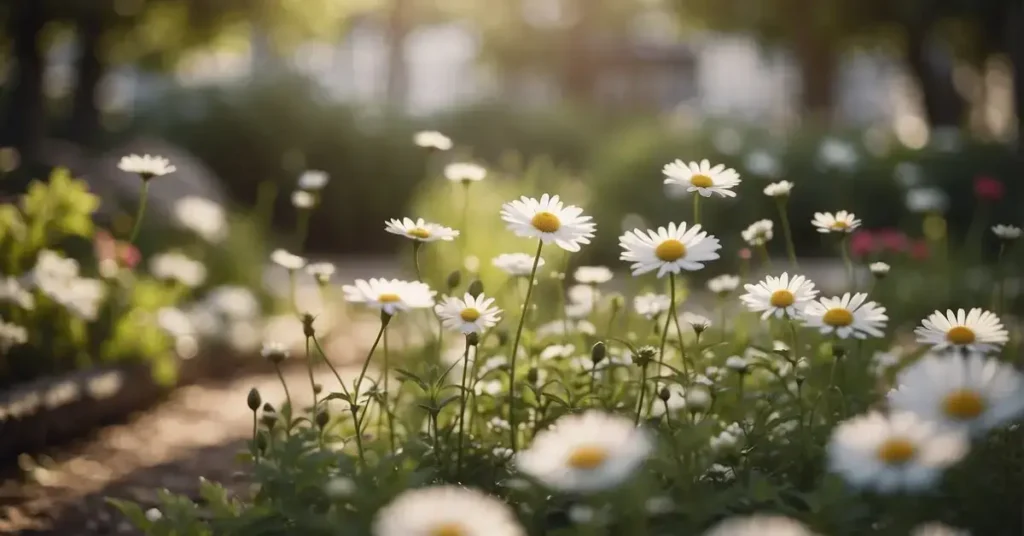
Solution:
(56, 409)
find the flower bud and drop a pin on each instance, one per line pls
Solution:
(476, 288)
(644, 355)
(664, 394)
(261, 442)
(533, 375)
(473, 339)
(454, 279)
(307, 325)
(322, 418)
(317, 388)
(502, 337)
(598, 352)
(254, 400)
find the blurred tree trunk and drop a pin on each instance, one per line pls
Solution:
(397, 74)
(1015, 46)
(85, 113)
(25, 121)
(932, 67)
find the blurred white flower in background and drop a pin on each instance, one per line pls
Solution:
(420, 230)
(11, 335)
(12, 291)
(390, 296)
(723, 284)
(234, 302)
(203, 217)
(778, 189)
(174, 266)
(727, 140)
(464, 172)
(837, 154)
(926, 199)
(321, 271)
(1006, 232)
(287, 260)
(432, 139)
(303, 199)
(758, 524)
(593, 275)
(175, 321)
(516, 264)
(909, 174)
(879, 268)
(651, 305)
(146, 166)
(762, 163)
(313, 180)
(446, 511)
(840, 222)
(937, 529)
(759, 233)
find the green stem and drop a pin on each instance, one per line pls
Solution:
(515, 348)
(255, 444)
(287, 395)
(354, 399)
(844, 250)
(416, 259)
(643, 390)
(302, 230)
(462, 222)
(664, 336)
(763, 248)
(462, 407)
(312, 383)
(140, 212)
(696, 208)
(387, 395)
(788, 232)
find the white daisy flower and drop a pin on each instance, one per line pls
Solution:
(274, 351)
(469, 314)
(287, 260)
(759, 233)
(763, 163)
(464, 172)
(583, 294)
(420, 230)
(976, 330)
(779, 295)
(174, 266)
(593, 275)
(321, 271)
(699, 323)
(146, 166)
(937, 529)
(840, 222)
(737, 363)
(651, 305)
(846, 316)
(234, 302)
(668, 250)
(202, 216)
(702, 178)
(516, 264)
(549, 220)
(390, 296)
(303, 199)
(557, 351)
(968, 392)
(759, 525)
(446, 511)
(431, 139)
(892, 453)
(313, 180)
(879, 269)
(578, 309)
(723, 284)
(588, 452)
(1007, 232)
(778, 189)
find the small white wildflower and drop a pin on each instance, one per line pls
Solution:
(723, 284)
(153, 515)
(759, 233)
(879, 269)
(11, 290)
(146, 166)
(431, 139)
(287, 260)
(1007, 232)
(340, 487)
(321, 271)
(737, 363)
(464, 172)
(274, 351)
(303, 199)
(593, 275)
(313, 180)
(11, 335)
(516, 264)
(651, 305)
(173, 266)
(778, 189)
(202, 216)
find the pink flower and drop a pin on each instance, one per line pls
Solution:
(893, 240)
(919, 250)
(862, 243)
(745, 254)
(988, 189)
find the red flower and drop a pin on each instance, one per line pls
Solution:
(988, 189)
(919, 250)
(893, 240)
(745, 254)
(862, 243)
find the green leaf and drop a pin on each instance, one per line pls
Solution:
(406, 375)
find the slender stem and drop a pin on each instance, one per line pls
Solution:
(291, 291)
(287, 395)
(462, 407)
(309, 368)
(387, 394)
(140, 212)
(354, 399)
(323, 354)
(255, 444)
(462, 222)
(643, 390)
(1000, 282)
(264, 210)
(437, 434)
(664, 337)
(844, 250)
(515, 348)
(416, 259)
(696, 208)
(788, 232)
(765, 257)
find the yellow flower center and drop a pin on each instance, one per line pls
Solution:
(420, 233)
(469, 314)
(670, 250)
(896, 451)
(963, 404)
(587, 457)
(840, 226)
(701, 181)
(782, 298)
(838, 317)
(388, 298)
(960, 335)
(546, 222)
(448, 529)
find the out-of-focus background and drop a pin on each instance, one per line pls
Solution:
(899, 102)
